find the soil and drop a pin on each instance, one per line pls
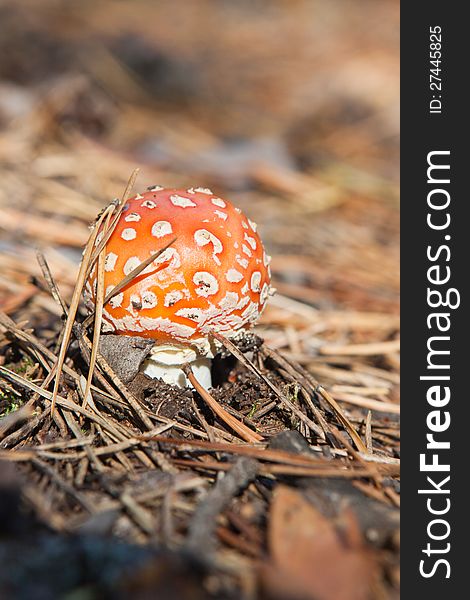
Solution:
(144, 490)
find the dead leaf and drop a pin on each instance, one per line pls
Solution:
(309, 559)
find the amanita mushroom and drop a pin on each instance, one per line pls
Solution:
(214, 277)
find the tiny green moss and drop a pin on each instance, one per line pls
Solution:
(8, 403)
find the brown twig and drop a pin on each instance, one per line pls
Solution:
(242, 430)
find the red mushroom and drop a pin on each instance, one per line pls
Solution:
(214, 277)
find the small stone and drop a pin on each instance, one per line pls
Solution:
(289, 441)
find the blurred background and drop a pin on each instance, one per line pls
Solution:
(288, 108)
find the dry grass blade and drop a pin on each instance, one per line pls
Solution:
(296, 471)
(242, 430)
(119, 208)
(281, 457)
(128, 278)
(145, 263)
(50, 281)
(75, 301)
(257, 452)
(343, 419)
(98, 316)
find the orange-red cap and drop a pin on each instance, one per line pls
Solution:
(215, 276)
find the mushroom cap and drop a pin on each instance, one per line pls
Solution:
(215, 276)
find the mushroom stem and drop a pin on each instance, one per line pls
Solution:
(166, 361)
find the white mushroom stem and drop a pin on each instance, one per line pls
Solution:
(165, 362)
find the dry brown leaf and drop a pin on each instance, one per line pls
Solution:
(309, 559)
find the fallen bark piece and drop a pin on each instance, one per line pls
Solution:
(125, 354)
(201, 538)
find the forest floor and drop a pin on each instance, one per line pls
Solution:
(288, 109)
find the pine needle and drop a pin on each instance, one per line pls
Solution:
(242, 430)
(90, 256)
(343, 419)
(119, 208)
(98, 316)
